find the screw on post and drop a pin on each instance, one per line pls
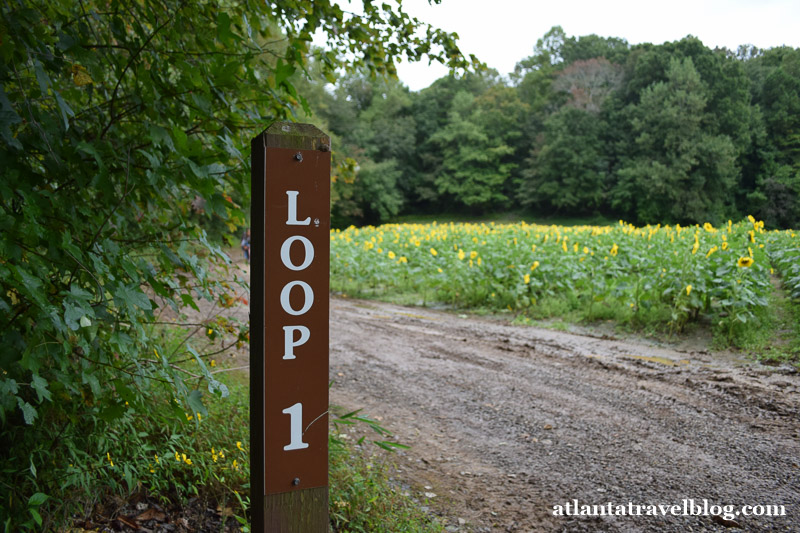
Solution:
(296, 481)
(299, 157)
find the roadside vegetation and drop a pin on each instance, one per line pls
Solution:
(125, 132)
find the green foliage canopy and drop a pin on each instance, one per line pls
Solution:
(124, 128)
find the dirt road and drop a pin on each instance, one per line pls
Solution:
(507, 422)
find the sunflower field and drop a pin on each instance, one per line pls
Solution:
(654, 275)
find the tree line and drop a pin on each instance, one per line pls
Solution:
(585, 126)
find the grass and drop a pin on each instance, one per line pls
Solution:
(778, 342)
(505, 217)
(363, 499)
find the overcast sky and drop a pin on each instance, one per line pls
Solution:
(502, 32)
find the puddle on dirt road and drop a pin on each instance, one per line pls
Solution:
(395, 313)
(659, 360)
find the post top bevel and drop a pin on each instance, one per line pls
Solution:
(295, 136)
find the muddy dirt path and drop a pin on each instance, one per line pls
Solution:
(506, 422)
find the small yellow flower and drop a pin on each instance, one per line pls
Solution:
(108, 455)
(235, 465)
(480, 260)
(177, 457)
(473, 254)
(199, 417)
(213, 363)
(461, 255)
(239, 445)
(151, 468)
(391, 255)
(534, 266)
(725, 245)
(402, 259)
(614, 249)
(585, 249)
(440, 270)
(158, 462)
(210, 331)
(526, 278)
(434, 252)
(711, 251)
(745, 262)
(688, 290)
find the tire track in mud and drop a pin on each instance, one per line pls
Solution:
(507, 421)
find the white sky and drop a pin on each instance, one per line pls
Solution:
(502, 32)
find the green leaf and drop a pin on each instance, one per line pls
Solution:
(282, 73)
(132, 298)
(72, 316)
(28, 411)
(36, 516)
(180, 139)
(39, 384)
(33, 286)
(8, 386)
(41, 77)
(66, 110)
(224, 28)
(128, 477)
(195, 400)
(37, 499)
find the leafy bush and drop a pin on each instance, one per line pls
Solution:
(125, 128)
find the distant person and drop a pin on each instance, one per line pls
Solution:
(246, 245)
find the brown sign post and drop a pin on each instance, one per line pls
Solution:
(290, 249)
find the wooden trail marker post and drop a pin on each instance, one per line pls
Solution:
(289, 285)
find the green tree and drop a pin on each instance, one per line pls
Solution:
(471, 172)
(567, 173)
(431, 111)
(372, 118)
(773, 164)
(677, 171)
(118, 122)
